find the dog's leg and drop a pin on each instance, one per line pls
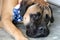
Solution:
(0, 7)
(1, 24)
(19, 1)
(0, 13)
(7, 22)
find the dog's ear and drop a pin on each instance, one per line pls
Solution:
(52, 18)
(24, 5)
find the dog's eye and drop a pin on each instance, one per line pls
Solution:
(32, 15)
(47, 18)
(36, 16)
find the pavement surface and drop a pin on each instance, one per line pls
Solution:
(54, 29)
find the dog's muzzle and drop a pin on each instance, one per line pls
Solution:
(35, 32)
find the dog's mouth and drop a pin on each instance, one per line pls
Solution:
(37, 33)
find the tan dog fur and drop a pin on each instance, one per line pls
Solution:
(26, 18)
(6, 18)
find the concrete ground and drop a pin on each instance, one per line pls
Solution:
(54, 29)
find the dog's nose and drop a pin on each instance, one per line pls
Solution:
(43, 32)
(41, 28)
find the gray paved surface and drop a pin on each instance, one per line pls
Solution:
(54, 29)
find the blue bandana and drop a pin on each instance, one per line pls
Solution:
(16, 14)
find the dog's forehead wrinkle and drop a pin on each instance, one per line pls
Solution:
(34, 8)
(36, 13)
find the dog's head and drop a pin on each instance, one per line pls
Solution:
(36, 20)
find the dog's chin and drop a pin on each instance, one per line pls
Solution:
(37, 34)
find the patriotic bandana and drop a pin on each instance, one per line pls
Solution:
(16, 14)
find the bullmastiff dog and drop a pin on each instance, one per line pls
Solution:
(37, 15)
(36, 18)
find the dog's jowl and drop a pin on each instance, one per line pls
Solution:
(36, 20)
